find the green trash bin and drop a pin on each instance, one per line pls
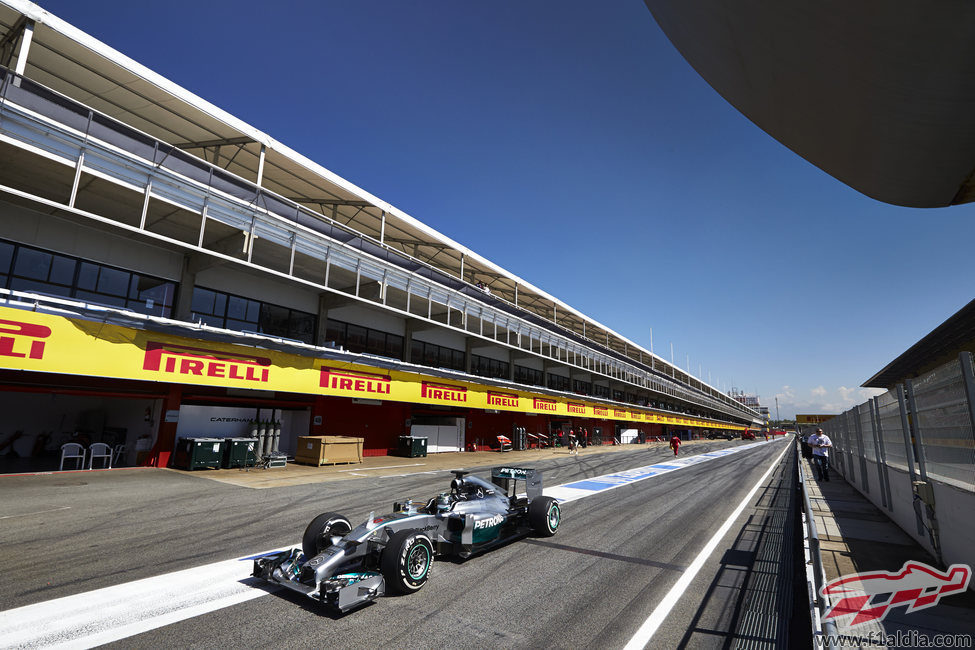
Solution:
(240, 452)
(412, 447)
(199, 453)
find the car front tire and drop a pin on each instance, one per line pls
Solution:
(406, 561)
(318, 535)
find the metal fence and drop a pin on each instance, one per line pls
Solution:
(924, 426)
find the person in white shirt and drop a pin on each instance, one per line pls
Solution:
(821, 445)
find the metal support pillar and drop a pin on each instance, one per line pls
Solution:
(906, 430)
(882, 451)
(918, 435)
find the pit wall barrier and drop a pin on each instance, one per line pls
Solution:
(911, 452)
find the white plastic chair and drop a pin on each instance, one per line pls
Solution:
(100, 450)
(72, 451)
(117, 453)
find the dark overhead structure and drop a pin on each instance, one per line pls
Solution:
(957, 334)
(880, 95)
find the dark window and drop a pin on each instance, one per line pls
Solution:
(275, 320)
(557, 382)
(357, 338)
(430, 354)
(32, 264)
(583, 387)
(238, 313)
(600, 391)
(376, 342)
(529, 376)
(112, 282)
(394, 346)
(6, 258)
(335, 332)
(486, 367)
(59, 275)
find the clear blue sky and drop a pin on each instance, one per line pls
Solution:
(570, 143)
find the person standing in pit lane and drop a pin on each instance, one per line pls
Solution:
(820, 444)
(675, 444)
(573, 443)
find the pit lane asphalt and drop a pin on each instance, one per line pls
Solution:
(593, 584)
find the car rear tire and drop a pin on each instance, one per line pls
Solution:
(544, 516)
(406, 561)
(318, 535)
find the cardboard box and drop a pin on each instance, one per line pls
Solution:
(328, 450)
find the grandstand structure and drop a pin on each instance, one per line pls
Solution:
(168, 270)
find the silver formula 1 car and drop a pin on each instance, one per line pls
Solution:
(345, 567)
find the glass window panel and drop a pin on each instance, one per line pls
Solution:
(335, 331)
(6, 257)
(253, 311)
(202, 301)
(274, 320)
(34, 286)
(112, 281)
(376, 342)
(237, 308)
(356, 338)
(100, 298)
(242, 325)
(62, 270)
(303, 326)
(155, 309)
(416, 352)
(212, 321)
(158, 291)
(394, 346)
(32, 264)
(88, 276)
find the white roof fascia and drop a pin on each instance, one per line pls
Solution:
(40, 15)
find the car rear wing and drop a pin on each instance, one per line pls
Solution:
(506, 478)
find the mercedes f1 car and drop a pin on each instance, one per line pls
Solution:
(345, 567)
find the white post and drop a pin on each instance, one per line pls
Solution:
(25, 40)
(260, 165)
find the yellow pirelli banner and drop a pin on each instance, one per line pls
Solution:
(46, 343)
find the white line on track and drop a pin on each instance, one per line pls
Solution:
(113, 613)
(39, 512)
(659, 614)
(371, 469)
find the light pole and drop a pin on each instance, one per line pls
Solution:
(777, 408)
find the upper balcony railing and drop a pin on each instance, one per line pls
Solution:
(75, 135)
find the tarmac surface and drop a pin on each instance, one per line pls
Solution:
(615, 557)
(155, 545)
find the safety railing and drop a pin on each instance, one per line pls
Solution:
(815, 572)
